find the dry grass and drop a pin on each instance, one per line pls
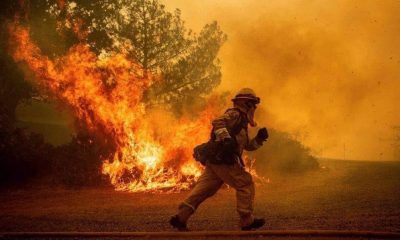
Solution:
(344, 196)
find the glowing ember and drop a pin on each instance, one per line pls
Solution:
(153, 149)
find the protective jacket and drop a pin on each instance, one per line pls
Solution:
(233, 124)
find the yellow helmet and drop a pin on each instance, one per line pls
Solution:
(247, 93)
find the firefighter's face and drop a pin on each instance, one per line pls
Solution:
(251, 104)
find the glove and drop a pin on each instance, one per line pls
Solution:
(262, 135)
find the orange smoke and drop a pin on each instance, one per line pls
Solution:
(153, 149)
(327, 71)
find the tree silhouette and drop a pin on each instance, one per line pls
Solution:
(155, 38)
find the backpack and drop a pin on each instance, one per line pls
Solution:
(216, 152)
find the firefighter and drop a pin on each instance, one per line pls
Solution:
(230, 131)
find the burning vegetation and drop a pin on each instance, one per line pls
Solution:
(148, 148)
(145, 155)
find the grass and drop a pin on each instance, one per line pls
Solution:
(345, 195)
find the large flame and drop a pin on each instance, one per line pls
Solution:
(153, 151)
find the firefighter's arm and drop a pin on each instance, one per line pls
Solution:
(253, 144)
(222, 123)
(258, 140)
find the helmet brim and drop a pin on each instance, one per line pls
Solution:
(256, 100)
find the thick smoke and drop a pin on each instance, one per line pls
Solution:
(328, 72)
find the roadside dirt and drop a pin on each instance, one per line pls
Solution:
(343, 196)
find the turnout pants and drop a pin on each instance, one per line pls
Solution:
(211, 180)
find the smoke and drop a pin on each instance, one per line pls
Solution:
(328, 72)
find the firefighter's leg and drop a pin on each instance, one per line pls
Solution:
(207, 185)
(239, 179)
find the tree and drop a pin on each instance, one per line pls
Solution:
(152, 36)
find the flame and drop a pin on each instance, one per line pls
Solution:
(153, 149)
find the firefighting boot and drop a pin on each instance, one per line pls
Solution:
(181, 218)
(176, 223)
(257, 223)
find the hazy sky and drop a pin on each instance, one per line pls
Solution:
(327, 71)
